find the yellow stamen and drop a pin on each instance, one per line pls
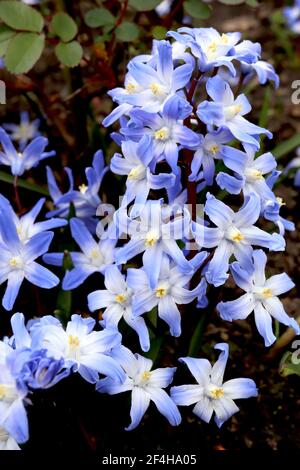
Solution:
(155, 88)
(146, 375)
(120, 298)
(161, 292)
(130, 88)
(214, 149)
(216, 393)
(137, 173)
(73, 341)
(16, 262)
(224, 39)
(235, 235)
(162, 134)
(2, 391)
(83, 188)
(231, 111)
(280, 201)
(267, 293)
(151, 238)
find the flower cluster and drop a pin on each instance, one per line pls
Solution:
(184, 133)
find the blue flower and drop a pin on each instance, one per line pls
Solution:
(251, 179)
(145, 385)
(235, 233)
(166, 130)
(212, 148)
(261, 296)
(25, 131)
(213, 49)
(262, 69)
(117, 301)
(292, 15)
(25, 225)
(29, 157)
(82, 350)
(153, 234)
(17, 260)
(211, 394)
(13, 417)
(86, 199)
(295, 163)
(227, 111)
(148, 87)
(140, 179)
(171, 290)
(94, 257)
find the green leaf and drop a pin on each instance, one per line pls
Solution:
(159, 32)
(197, 337)
(286, 147)
(99, 17)
(144, 5)
(23, 52)
(6, 34)
(17, 15)
(197, 9)
(23, 184)
(64, 26)
(155, 347)
(63, 306)
(127, 31)
(69, 54)
(252, 3)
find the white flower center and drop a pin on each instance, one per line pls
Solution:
(214, 392)
(151, 238)
(161, 291)
(253, 175)
(137, 173)
(83, 188)
(231, 111)
(156, 88)
(25, 131)
(234, 234)
(142, 379)
(96, 257)
(162, 134)
(130, 88)
(16, 262)
(73, 347)
(262, 293)
(7, 393)
(213, 148)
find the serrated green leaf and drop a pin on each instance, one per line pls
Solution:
(64, 26)
(159, 32)
(6, 178)
(197, 9)
(19, 16)
(127, 31)
(6, 34)
(144, 5)
(99, 17)
(23, 52)
(69, 54)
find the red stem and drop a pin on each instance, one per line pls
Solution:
(17, 197)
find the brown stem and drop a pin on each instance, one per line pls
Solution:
(17, 196)
(119, 21)
(167, 22)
